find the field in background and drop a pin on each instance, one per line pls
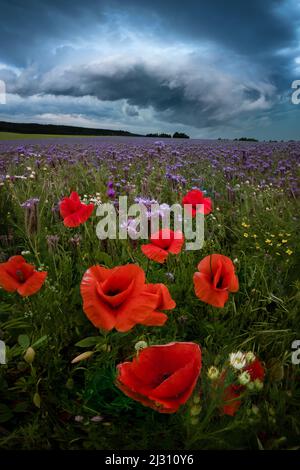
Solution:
(55, 404)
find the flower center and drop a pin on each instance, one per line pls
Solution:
(111, 292)
(165, 377)
(20, 275)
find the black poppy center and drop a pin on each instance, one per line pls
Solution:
(20, 275)
(165, 377)
(112, 292)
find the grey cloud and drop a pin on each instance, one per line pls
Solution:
(200, 98)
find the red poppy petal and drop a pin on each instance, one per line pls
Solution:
(64, 207)
(134, 311)
(181, 382)
(207, 205)
(9, 283)
(129, 384)
(169, 357)
(195, 196)
(217, 274)
(121, 276)
(99, 273)
(69, 205)
(72, 220)
(233, 402)
(33, 283)
(16, 260)
(176, 244)
(117, 299)
(233, 284)
(155, 319)
(164, 299)
(154, 253)
(256, 370)
(209, 264)
(85, 212)
(206, 292)
(97, 312)
(74, 197)
(134, 395)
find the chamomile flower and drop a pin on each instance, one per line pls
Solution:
(237, 360)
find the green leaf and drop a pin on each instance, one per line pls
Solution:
(38, 342)
(104, 258)
(21, 407)
(89, 341)
(24, 341)
(5, 413)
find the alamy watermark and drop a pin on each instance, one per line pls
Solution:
(140, 221)
(2, 352)
(296, 352)
(2, 92)
(296, 93)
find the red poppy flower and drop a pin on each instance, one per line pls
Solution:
(17, 275)
(119, 298)
(196, 197)
(256, 370)
(161, 377)
(231, 398)
(215, 279)
(73, 211)
(162, 243)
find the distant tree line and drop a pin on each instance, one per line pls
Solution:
(246, 139)
(29, 128)
(176, 135)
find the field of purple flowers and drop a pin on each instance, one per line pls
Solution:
(48, 400)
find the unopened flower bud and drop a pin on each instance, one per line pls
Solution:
(29, 355)
(196, 399)
(251, 386)
(258, 384)
(213, 373)
(244, 378)
(195, 410)
(140, 345)
(82, 357)
(250, 357)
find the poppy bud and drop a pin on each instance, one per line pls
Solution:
(29, 355)
(82, 357)
(140, 345)
(250, 357)
(196, 399)
(258, 384)
(195, 410)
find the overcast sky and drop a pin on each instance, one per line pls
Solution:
(211, 68)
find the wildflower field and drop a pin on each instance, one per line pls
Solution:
(142, 344)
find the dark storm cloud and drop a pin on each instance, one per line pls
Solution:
(253, 27)
(29, 28)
